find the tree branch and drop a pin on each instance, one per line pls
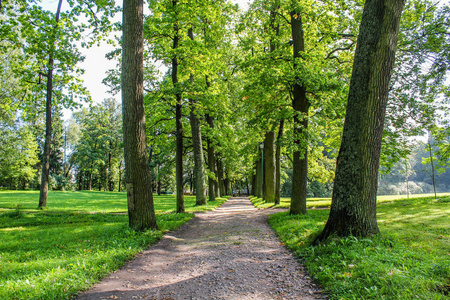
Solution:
(287, 21)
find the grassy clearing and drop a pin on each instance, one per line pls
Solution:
(410, 259)
(81, 237)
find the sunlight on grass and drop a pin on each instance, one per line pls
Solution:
(92, 202)
(79, 238)
(312, 203)
(410, 259)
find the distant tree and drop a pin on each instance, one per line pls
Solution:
(418, 89)
(18, 155)
(49, 57)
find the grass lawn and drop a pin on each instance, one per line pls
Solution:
(313, 203)
(409, 259)
(81, 237)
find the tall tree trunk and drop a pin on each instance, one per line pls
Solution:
(247, 183)
(109, 170)
(273, 46)
(212, 183)
(120, 176)
(259, 176)
(353, 207)
(407, 179)
(178, 120)
(432, 168)
(253, 192)
(141, 212)
(300, 104)
(220, 189)
(226, 184)
(198, 158)
(211, 160)
(191, 183)
(179, 157)
(48, 118)
(269, 167)
(278, 163)
(199, 169)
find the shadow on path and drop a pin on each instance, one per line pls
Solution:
(228, 253)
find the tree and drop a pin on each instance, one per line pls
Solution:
(293, 62)
(18, 155)
(141, 212)
(199, 169)
(418, 85)
(97, 151)
(442, 141)
(48, 112)
(278, 163)
(353, 207)
(49, 58)
(300, 104)
(269, 167)
(189, 39)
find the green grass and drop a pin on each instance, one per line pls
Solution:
(313, 203)
(409, 259)
(81, 237)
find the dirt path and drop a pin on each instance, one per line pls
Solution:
(229, 253)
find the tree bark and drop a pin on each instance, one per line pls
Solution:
(199, 168)
(220, 188)
(178, 121)
(432, 167)
(211, 160)
(273, 46)
(269, 167)
(226, 185)
(43, 193)
(259, 176)
(120, 176)
(110, 172)
(141, 212)
(300, 104)
(254, 181)
(278, 163)
(353, 208)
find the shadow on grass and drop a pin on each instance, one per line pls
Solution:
(49, 255)
(408, 259)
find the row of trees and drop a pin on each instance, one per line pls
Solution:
(301, 68)
(247, 100)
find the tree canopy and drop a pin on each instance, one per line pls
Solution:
(235, 101)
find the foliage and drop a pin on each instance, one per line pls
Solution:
(269, 70)
(82, 237)
(409, 259)
(419, 90)
(97, 153)
(18, 155)
(417, 174)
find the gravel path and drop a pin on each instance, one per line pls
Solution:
(228, 253)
